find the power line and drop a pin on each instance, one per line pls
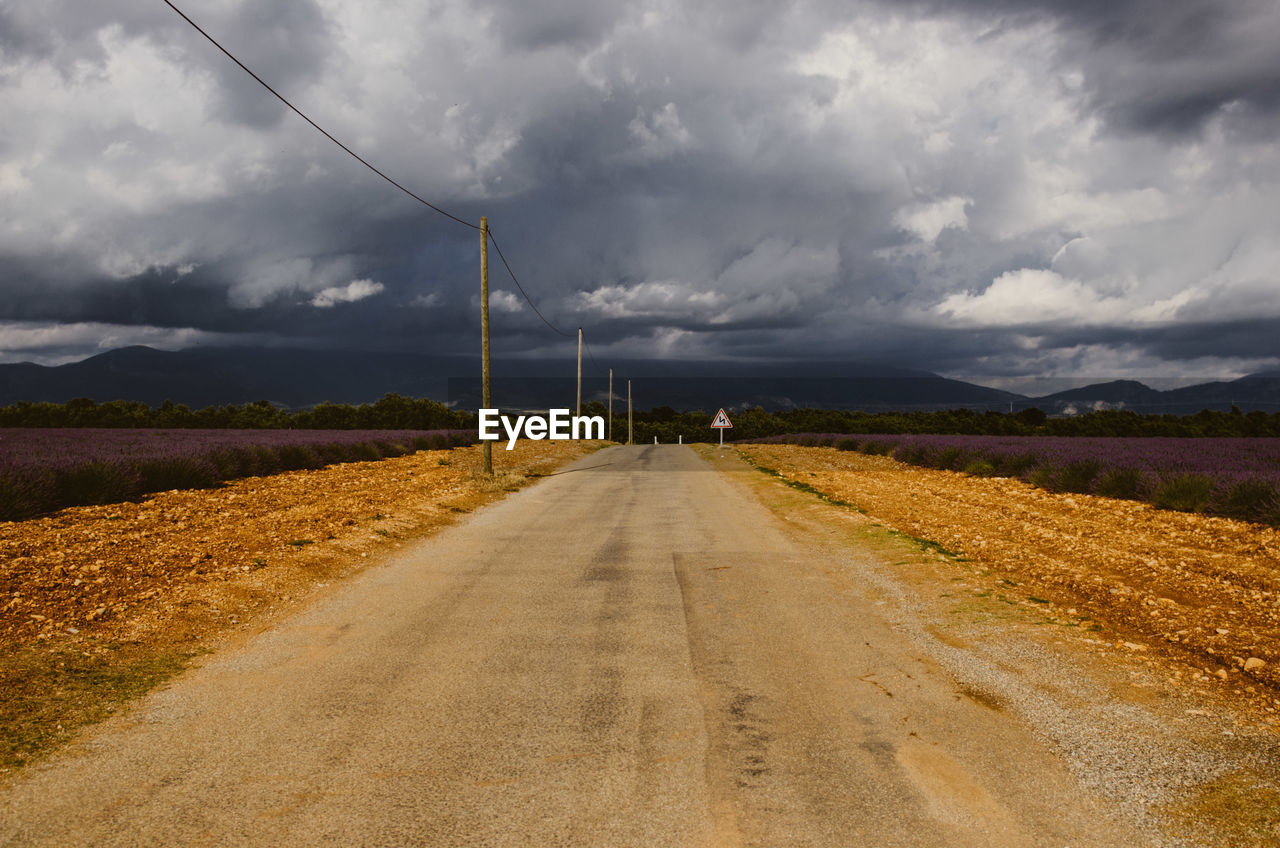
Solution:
(520, 287)
(321, 129)
(590, 354)
(366, 163)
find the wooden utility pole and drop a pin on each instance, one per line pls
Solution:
(486, 398)
(579, 412)
(628, 412)
(611, 404)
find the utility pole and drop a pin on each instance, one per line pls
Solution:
(579, 412)
(628, 412)
(611, 404)
(486, 399)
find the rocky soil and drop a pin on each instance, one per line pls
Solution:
(1204, 589)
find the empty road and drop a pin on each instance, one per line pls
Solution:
(635, 652)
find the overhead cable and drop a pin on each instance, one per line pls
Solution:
(321, 129)
(521, 288)
(368, 165)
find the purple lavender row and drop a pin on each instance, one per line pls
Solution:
(42, 470)
(1237, 477)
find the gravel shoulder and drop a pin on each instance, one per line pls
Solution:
(1059, 609)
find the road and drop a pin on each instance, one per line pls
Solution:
(634, 652)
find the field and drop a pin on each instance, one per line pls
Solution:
(97, 603)
(1234, 477)
(42, 470)
(1203, 588)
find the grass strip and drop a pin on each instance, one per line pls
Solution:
(48, 690)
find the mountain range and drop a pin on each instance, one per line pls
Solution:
(293, 378)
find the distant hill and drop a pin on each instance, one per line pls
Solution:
(208, 377)
(201, 377)
(1255, 391)
(293, 378)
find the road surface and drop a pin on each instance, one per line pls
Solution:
(635, 652)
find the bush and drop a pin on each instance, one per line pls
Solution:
(161, 475)
(1120, 483)
(1186, 492)
(1042, 477)
(1015, 465)
(265, 461)
(948, 459)
(296, 457)
(878, 448)
(908, 453)
(980, 468)
(365, 452)
(1077, 476)
(847, 444)
(1251, 500)
(24, 493)
(234, 463)
(94, 483)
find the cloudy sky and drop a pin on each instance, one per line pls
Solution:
(993, 189)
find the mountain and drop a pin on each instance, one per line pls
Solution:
(201, 377)
(293, 378)
(205, 377)
(1252, 392)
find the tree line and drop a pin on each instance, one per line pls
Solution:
(668, 424)
(391, 412)
(396, 412)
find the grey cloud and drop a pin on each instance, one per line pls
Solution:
(284, 42)
(699, 180)
(1160, 65)
(553, 23)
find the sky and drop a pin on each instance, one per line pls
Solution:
(1007, 191)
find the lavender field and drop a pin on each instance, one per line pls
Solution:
(42, 470)
(1236, 477)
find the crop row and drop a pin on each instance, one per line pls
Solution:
(1238, 478)
(42, 470)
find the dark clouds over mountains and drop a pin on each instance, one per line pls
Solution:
(990, 189)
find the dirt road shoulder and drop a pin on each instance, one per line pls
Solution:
(1192, 761)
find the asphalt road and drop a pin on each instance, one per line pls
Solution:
(634, 652)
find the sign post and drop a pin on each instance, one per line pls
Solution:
(721, 423)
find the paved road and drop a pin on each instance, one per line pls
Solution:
(635, 652)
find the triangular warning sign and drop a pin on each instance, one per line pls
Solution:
(722, 420)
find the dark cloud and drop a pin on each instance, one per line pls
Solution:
(285, 42)
(552, 23)
(1160, 65)
(993, 187)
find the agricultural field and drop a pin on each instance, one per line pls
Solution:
(1233, 477)
(99, 603)
(42, 470)
(1203, 588)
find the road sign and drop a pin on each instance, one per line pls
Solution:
(721, 423)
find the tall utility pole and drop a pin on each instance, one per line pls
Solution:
(611, 404)
(579, 412)
(486, 399)
(628, 412)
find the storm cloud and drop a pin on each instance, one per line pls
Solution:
(993, 189)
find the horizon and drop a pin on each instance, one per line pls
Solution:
(1029, 387)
